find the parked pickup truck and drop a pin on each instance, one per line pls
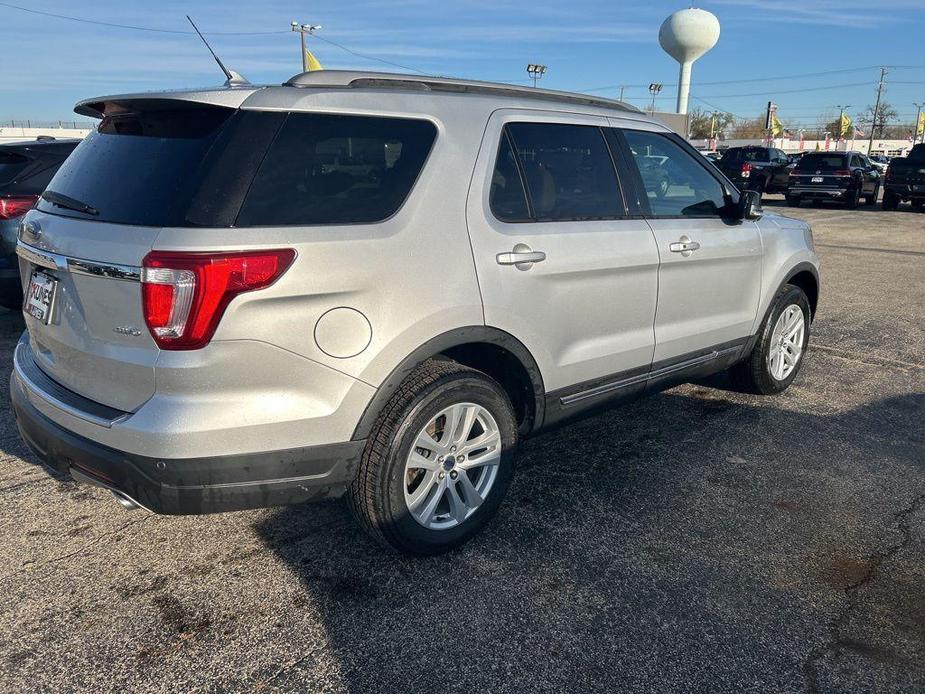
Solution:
(762, 169)
(905, 180)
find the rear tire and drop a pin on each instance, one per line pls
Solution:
(890, 201)
(409, 487)
(759, 187)
(782, 342)
(917, 204)
(855, 199)
(792, 200)
(871, 199)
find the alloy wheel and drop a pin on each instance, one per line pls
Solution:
(786, 342)
(452, 466)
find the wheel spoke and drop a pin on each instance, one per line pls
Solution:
(470, 493)
(458, 507)
(427, 502)
(427, 442)
(488, 439)
(419, 462)
(469, 414)
(487, 458)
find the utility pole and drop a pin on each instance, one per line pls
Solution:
(915, 128)
(303, 29)
(870, 140)
(621, 93)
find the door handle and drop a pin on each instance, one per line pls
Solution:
(521, 256)
(684, 246)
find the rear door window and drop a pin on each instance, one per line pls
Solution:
(335, 169)
(569, 172)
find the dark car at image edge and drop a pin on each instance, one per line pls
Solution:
(25, 169)
(905, 180)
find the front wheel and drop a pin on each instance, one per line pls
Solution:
(438, 462)
(778, 354)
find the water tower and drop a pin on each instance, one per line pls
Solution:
(685, 36)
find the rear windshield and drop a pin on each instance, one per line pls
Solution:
(822, 162)
(208, 166)
(740, 155)
(138, 168)
(11, 164)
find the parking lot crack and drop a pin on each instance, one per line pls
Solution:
(837, 640)
(34, 565)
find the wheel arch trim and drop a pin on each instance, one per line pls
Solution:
(439, 344)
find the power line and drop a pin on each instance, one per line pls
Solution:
(134, 27)
(367, 56)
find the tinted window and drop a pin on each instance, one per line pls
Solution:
(329, 169)
(822, 162)
(739, 154)
(508, 199)
(11, 164)
(139, 168)
(676, 184)
(569, 172)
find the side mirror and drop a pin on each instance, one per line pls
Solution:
(750, 205)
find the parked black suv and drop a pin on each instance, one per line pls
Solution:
(905, 180)
(842, 176)
(762, 169)
(25, 169)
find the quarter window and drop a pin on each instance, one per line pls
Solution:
(327, 169)
(568, 170)
(507, 198)
(675, 183)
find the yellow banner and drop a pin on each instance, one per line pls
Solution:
(312, 62)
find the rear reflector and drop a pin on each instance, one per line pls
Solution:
(16, 206)
(185, 294)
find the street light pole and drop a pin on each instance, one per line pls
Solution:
(654, 88)
(536, 72)
(303, 29)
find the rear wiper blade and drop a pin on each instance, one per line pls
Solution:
(68, 203)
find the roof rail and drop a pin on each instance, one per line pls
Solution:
(388, 80)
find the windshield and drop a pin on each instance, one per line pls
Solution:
(822, 162)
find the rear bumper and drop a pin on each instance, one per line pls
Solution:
(905, 191)
(810, 192)
(191, 485)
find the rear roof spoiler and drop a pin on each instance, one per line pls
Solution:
(227, 97)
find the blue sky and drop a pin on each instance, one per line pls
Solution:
(48, 64)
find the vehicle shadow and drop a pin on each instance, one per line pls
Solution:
(656, 547)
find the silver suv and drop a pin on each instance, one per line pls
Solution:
(374, 285)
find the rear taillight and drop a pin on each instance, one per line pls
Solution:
(185, 294)
(889, 173)
(746, 170)
(16, 205)
(794, 173)
(842, 173)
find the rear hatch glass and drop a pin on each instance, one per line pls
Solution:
(826, 163)
(11, 163)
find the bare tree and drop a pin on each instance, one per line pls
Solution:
(878, 119)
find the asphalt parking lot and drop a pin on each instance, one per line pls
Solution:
(697, 540)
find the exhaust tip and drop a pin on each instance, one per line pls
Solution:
(125, 502)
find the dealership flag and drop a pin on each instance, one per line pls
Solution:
(312, 62)
(777, 128)
(920, 126)
(844, 126)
